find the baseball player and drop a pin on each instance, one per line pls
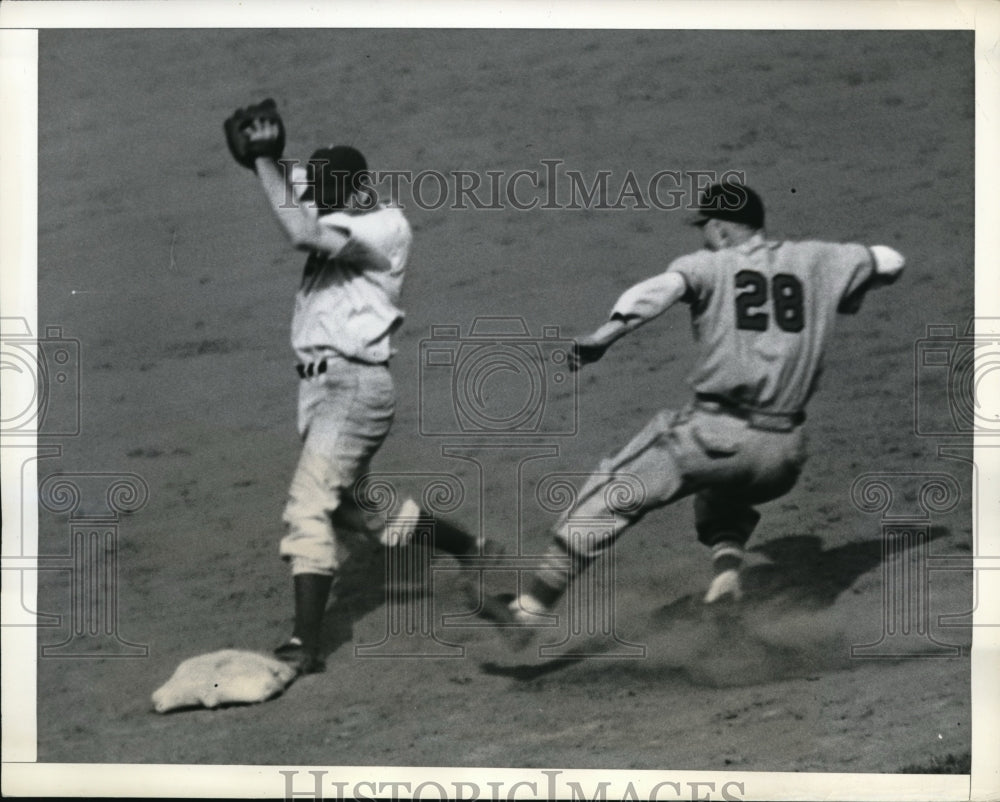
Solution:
(346, 309)
(762, 312)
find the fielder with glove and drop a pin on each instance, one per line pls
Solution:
(346, 309)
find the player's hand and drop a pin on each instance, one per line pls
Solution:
(585, 350)
(255, 132)
(262, 131)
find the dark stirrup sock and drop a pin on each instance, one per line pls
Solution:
(311, 594)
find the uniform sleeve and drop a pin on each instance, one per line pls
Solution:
(651, 297)
(379, 240)
(695, 269)
(855, 268)
(645, 300)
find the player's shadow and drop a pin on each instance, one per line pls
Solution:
(362, 583)
(800, 574)
(801, 570)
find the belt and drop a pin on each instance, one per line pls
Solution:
(755, 418)
(307, 370)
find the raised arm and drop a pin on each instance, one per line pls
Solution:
(300, 222)
(636, 306)
(256, 138)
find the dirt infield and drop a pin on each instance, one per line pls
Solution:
(160, 257)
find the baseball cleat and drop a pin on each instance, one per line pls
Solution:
(294, 653)
(401, 527)
(500, 609)
(725, 586)
(512, 620)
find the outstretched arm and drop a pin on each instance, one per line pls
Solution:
(300, 222)
(637, 305)
(886, 266)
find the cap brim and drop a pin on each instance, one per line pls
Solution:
(697, 219)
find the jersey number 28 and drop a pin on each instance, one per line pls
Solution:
(786, 299)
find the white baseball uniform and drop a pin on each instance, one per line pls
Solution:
(346, 309)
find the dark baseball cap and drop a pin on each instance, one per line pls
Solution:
(339, 159)
(730, 201)
(334, 170)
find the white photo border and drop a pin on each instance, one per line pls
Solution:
(19, 22)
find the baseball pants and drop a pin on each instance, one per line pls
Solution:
(344, 415)
(727, 464)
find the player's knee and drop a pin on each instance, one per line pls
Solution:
(312, 501)
(583, 540)
(309, 515)
(311, 565)
(310, 547)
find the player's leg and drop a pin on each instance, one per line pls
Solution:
(766, 467)
(729, 465)
(391, 527)
(642, 476)
(674, 455)
(724, 523)
(405, 523)
(310, 546)
(344, 415)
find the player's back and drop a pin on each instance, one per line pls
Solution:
(762, 314)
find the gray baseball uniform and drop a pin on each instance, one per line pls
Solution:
(762, 312)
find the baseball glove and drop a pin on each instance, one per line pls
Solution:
(254, 132)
